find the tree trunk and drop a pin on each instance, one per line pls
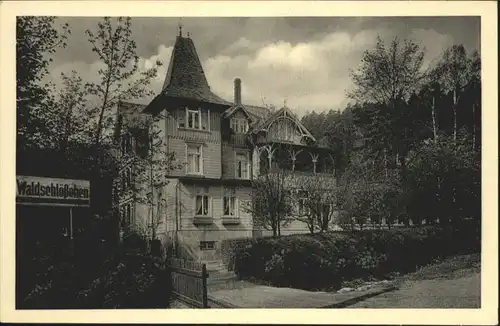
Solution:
(454, 115)
(434, 127)
(473, 126)
(275, 229)
(385, 163)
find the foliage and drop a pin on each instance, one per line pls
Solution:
(120, 79)
(37, 39)
(325, 261)
(418, 127)
(456, 73)
(229, 247)
(151, 164)
(117, 279)
(388, 73)
(445, 175)
(71, 116)
(336, 130)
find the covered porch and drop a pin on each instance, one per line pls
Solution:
(299, 159)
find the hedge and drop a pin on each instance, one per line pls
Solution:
(121, 278)
(325, 261)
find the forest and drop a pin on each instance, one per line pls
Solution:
(408, 146)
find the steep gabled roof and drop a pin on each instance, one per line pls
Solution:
(235, 108)
(185, 76)
(258, 111)
(264, 124)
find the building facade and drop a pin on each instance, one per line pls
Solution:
(220, 146)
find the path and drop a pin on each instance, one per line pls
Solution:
(259, 296)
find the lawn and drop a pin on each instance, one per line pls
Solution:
(452, 283)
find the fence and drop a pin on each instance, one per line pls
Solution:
(189, 282)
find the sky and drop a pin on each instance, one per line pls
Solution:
(303, 61)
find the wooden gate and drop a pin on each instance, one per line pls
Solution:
(189, 282)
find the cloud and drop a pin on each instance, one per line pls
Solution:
(89, 72)
(311, 74)
(308, 75)
(434, 44)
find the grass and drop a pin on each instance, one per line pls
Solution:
(450, 268)
(451, 283)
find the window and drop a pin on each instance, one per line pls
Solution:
(239, 125)
(193, 119)
(202, 205)
(241, 166)
(194, 159)
(230, 204)
(182, 118)
(126, 144)
(207, 245)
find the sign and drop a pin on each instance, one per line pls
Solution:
(47, 191)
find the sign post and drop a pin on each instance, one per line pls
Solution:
(42, 191)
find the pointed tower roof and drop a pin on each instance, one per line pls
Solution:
(185, 76)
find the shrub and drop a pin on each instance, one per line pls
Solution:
(122, 280)
(326, 260)
(228, 249)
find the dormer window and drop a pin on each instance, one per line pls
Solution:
(239, 125)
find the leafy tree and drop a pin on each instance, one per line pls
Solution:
(383, 84)
(36, 41)
(444, 181)
(120, 78)
(151, 164)
(388, 73)
(71, 114)
(455, 72)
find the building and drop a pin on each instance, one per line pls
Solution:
(221, 146)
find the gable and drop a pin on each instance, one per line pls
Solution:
(238, 111)
(281, 123)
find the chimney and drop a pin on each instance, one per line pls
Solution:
(237, 91)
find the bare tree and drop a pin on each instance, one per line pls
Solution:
(316, 197)
(271, 202)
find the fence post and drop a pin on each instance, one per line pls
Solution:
(204, 277)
